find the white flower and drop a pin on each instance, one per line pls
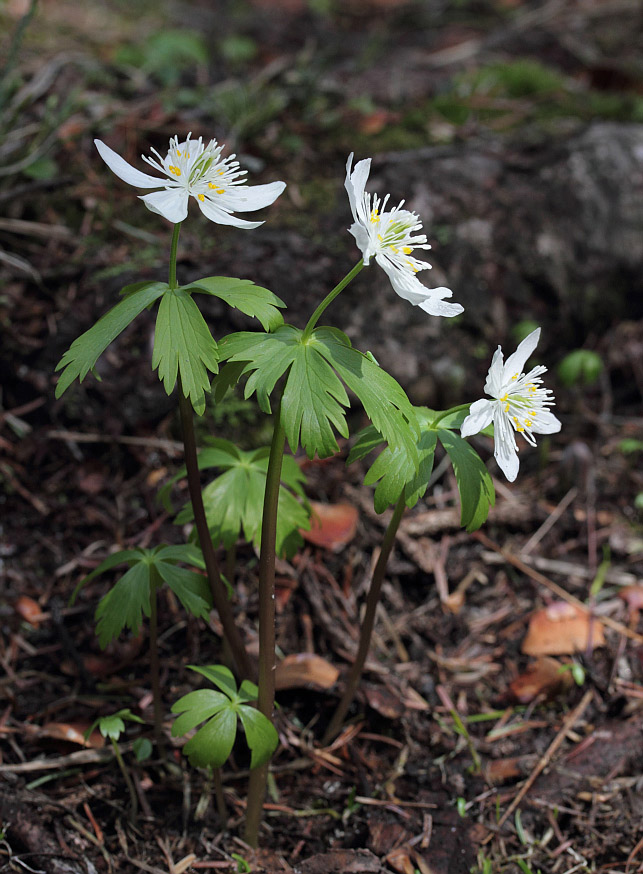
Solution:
(192, 168)
(390, 237)
(519, 404)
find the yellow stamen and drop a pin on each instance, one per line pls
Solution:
(394, 249)
(375, 216)
(517, 423)
(201, 197)
(507, 408)
(178, 153)
(407, 250)
(514, 377)
(175, 170)
(528, 423)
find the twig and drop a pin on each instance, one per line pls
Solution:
(169, 446)
(571, 719)
(550, 521)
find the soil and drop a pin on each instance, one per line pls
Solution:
(515, 130)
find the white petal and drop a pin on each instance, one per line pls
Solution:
(480, 415)
(515, 364)
(494, 385)
(434, 305)
(172, 203)
(404, 283)
(505, 449)
(546, 423)
(362, 239)
(356, 181)
(215, 214)
(507, 459)
(249, 197)
(125, 171)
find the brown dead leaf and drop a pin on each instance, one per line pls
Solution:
(305, 669)
(73, 732)
(545, 676)
(332, 525)
(562, 629)
(384, 701)
(29, 610)
(633, 596)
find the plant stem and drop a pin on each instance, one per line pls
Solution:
(446, 413)
(266, 698)
(372, 600)
(222, 810)
(217, 587)
(128, 780)
(330, 297)
(155, 672)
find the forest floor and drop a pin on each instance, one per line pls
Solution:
(463, 752)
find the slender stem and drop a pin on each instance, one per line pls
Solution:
(266, 698)
(330, 297)
(222, 810)
(446, 413)
(128, 780)
(217, 587)
(173, 247)
(372, 600)
(154, 663)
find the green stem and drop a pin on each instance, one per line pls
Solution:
(155, 672)
(330, 297)
(266, 698)
(217, 587)
(446, 413)
(173, 247)
(372, 600)
(128, 781)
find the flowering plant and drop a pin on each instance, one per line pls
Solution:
(304, 376)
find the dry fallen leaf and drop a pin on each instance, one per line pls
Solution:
(73, 732)
(29, 610)
(562, 629)
(545, 676)
(332, 525)
(305, 669)
(633, 596)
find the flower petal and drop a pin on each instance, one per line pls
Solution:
(480, 415)
(515, 364)
(494, 385)
(435, 305)
(356, 182)
(125, 171)
(505, 451)
(248, 197)
(172, 203)
(221, 217)
(546, 423)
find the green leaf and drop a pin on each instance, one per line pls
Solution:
(220, 676)
(124, 605)
(233, 501)
(477, 494)
(196, 707)
(251, 299)
(192, 589)
(122, 557)
(211, 745)
(183, 345)
(85, 351)
(112, 726)
(368, 439)
(261, 735)
(417, 487)
(314, 398)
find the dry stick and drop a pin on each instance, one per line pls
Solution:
(554, 587)
(266, 698)
(546, 758)
(368, 623)
(219, 594)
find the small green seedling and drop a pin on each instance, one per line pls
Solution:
(580, 367)
(221, 711)
(112, 727)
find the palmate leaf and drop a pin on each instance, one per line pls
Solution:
(184, 345)
(85, 351)
(476, 489)
(244, 295)
(233, 501)
(129, 600)
(314, 398)
(474, 483)
(213, 742)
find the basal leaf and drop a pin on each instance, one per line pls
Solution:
(124, 605)
(251, 299)
(261, 735)
(85, 351)
(477, 494)
(122, 557)
(196, 707)
(183, 345)
(220, 676)
(211, 745)
(192, 589)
